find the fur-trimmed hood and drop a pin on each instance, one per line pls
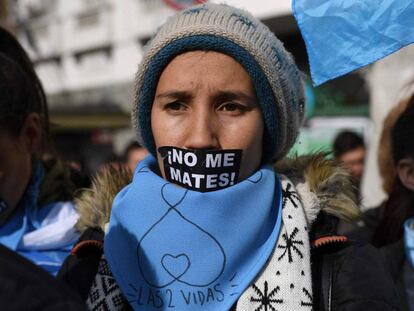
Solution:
(322, 185)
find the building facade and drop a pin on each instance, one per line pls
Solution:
(86, 53)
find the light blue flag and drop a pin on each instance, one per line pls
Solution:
(344, 35)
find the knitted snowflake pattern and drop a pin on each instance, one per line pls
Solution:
(285, 282)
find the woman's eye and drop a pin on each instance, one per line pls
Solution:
(174, 106)
(233, 107)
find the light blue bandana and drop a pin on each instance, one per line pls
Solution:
(170, 248)
(45, 235)
(11, 233)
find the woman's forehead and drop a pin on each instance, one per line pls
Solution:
(201, 69)
(203, 59)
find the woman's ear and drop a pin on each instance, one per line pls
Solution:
(405, 171)
(31, 132)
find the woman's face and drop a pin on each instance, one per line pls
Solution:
(405, 172)
(16, 161)
(206, 100)
(15, 168)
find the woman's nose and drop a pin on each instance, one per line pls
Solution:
(201, 132)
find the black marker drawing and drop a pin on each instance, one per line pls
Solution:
(233, 286)
(143, 169)
(256, 177)
(177, 262)
(176, 266)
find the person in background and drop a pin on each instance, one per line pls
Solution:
(371, 218)
(133, 154)
(395, 231)
(386, 164)
(349, 148)
(36, 190)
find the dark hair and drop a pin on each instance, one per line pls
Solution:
(400, 204)
(131, 146)
(346, 141)
(16, 90)
(24, 91)
(386, 164)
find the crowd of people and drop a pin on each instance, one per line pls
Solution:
(208, 212)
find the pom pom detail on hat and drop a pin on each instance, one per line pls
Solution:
(222, 28)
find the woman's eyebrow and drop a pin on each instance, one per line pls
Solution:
(174, 94)
(219, 96)
(236, 95)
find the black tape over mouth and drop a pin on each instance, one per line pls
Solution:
(201, 169)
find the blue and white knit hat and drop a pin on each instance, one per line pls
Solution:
(235, 32)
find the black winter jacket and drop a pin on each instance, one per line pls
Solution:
(24, 286)
(395, 262)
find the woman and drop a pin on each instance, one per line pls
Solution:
(371, 218)
(36, 212)
(206, 224)
(395, 231)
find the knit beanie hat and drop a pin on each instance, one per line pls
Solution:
(234, 32)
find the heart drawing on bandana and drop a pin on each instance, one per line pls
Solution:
(174, 249)
(176, 266)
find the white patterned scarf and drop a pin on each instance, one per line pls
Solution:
(285, 282)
